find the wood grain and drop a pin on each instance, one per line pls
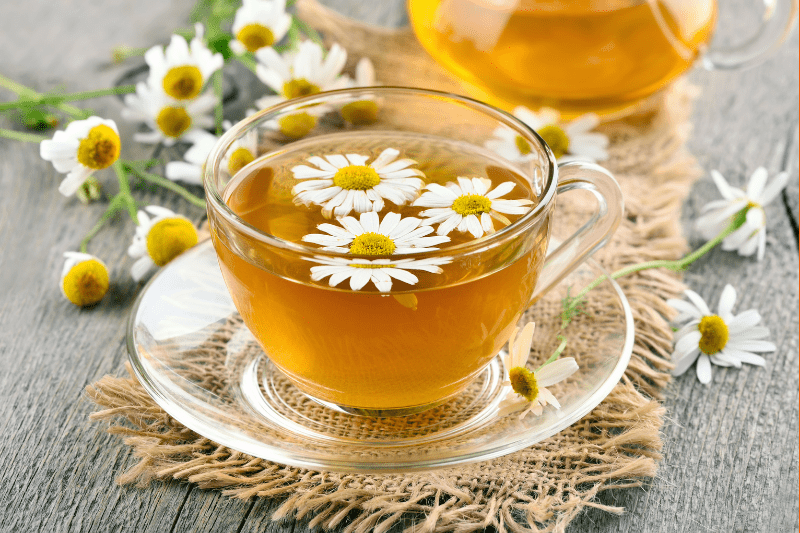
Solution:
(731, 456)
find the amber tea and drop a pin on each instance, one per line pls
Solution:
(413, 345)
(575, 55)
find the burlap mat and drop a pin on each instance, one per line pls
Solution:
(541, 488)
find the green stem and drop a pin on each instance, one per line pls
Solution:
(308, 30)
(121, 53)
(218, 94)
(556, 354)
(125, 190)
(676, 265)
(247, 61)
(167, 184)
(117, 203)
(56, 99)
(21, 136)
(29, 93)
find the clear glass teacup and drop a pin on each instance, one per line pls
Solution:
(604, 56)
(369, 304)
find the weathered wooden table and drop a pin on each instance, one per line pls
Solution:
(731, 454)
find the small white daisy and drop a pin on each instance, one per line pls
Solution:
(529, 394)
(259, 23)
(345, 183)
(724, 339)
(363, 110)
(159, 240)
(169, 120)
(380, 271)
(181, 70)
(750, 237)
(371, 236)
(300, 73)
(83, 147)
(84, 278)
(241, 153)
(571, 141)
(469, 205)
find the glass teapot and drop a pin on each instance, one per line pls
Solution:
(604, 56)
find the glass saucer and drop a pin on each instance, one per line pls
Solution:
(193, 355)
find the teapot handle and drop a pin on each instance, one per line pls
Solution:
(777, 22)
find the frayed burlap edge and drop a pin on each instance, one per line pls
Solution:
(541, 488)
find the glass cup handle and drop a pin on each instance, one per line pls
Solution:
(778, 21)
(594, 233)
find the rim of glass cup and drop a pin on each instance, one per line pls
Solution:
(215, 201)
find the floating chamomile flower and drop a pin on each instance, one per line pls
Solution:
(169, 120)
(379, 271)
(364, 110)
(182, 70)
(393, 235)
(159, 240)
(84, 278)
(569, 141)
(300, 73)
(345, 183)
(469, 205)
(750, 238)
(529, 393)
(259, 23)
(83, 147)
(724, 339)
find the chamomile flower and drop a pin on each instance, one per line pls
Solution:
(181, 70)
(241, 153)
(190, 170)
(380, 272)
(469, 205)
(345, 183)
(83, 147)
(84, 278)
(724, 339)
(159, 240)
(569, 141)
(300, 73)
(750, 238)
(529, 394)
(369, 235)
(169, 120)
(363, 110)
(259, 23)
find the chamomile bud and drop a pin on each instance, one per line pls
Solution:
(84, 278)
(160, 237)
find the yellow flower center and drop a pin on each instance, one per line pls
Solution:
(173, 121)
(169, 238)
(359, 177)
(86, 283)
(372, 244)
(523, 381)
(522, 145)
(362, 265)
(240, 158)
(472, 204)
(100, 148)
(255, 36)
(297, 125)
(299, 87)
(183, 83)
(714, 333)
(360, 112)
(556, 138)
